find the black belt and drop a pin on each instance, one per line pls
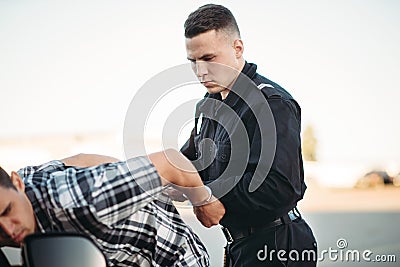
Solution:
(233, 234)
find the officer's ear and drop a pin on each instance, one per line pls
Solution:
(17, 182)
(239, 48)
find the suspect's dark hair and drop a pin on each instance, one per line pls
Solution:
(210, 17)
(5, 180)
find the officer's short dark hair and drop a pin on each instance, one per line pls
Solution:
(210, 17)
(5, 180)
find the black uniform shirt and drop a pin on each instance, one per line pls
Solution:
(231, 159)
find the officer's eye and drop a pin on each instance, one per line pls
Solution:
(209, 58)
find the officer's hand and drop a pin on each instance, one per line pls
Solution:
(210, 214)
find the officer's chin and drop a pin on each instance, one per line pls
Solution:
(213, 88)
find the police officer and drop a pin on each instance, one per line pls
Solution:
(247, 149)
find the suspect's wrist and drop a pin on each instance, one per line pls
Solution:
(207, 200)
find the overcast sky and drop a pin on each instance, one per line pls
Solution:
(74, 66)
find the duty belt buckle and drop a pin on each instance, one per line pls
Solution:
(227, 234)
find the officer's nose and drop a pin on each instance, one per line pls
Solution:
(201, 69)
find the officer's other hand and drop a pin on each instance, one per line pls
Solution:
(175, 195)
(210, 214)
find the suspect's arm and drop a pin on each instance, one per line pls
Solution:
(88, 160)
(176, 170)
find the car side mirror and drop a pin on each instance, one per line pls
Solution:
(61, 250)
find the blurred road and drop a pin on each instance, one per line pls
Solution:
(378, 232)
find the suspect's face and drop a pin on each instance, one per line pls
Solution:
(17, 219)
(216, 60)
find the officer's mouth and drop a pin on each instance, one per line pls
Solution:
(209, 84)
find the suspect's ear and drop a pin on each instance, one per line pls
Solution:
(17, 181)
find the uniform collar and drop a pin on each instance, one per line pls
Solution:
(241, 84)
(250, 69)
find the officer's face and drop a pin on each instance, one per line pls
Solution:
(17, 219)
(216, 59)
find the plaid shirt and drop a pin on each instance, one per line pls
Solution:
(120, 206)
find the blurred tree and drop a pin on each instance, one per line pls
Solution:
(309, 144)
